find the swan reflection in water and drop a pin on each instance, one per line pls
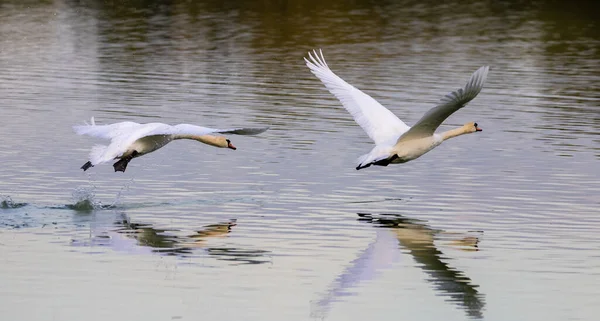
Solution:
(416, 238)
(133, 237)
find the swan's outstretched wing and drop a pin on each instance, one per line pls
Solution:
(243, 131)
(198, 130)
(452, 102)
(135, 131)
(106, 131)
(380, 124)
(119, 144)
(181, 129)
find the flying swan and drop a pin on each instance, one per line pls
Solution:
(395, 142)
(129, 140)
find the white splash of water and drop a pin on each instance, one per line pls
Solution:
(123, 189)
(84, 199)
(6, 202)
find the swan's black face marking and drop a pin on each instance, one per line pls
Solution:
(477, 129)
(229, 145)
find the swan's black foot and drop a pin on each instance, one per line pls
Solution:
(86, 166)
(121, 165)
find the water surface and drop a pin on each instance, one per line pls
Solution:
(501, 225)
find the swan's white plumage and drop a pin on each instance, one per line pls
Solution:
(395, 142)
(105, 131)
(144, 138)
(124, 135)
(131, 129)
(97, 153)
(377, 121)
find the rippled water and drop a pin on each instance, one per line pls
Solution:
(502, 225)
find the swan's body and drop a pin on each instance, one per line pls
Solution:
(129, 140)
(396, 142)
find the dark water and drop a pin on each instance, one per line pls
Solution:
(502, 225)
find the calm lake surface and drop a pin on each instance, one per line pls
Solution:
(499, 225)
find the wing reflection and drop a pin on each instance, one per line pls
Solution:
(133, 237)
(240, 256)
(169, 241)
(417, 238)
(379, 255)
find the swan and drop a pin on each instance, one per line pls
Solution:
(129, 140)
(396, 142)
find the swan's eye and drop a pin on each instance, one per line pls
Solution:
(475, 124)
(229, 142)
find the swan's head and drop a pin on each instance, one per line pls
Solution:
(229, 145)
(472, 127)
(217, 141)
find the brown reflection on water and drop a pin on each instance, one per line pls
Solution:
(161, 239)
(174, 241)
(417, 239)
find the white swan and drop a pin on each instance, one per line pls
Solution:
(129, 140)
(395, 142)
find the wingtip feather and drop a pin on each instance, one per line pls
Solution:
(476, 82)
(316, 60)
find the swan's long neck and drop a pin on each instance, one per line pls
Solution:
(206, 139)
(186, 136)
(453, 133)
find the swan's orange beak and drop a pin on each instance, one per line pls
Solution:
(477, 129)
(229, 145)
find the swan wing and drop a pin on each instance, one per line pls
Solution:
(106, 131)
(243, 131)
(181, 129)
(130, 130)
(121, 142)
(123, 135)
(452, 102)
(198, 130)
(377, 121)
(187, 129)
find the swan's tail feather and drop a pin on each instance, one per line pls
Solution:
(361, 166)
(367, 160)
(378, 156)
(97, 154)
(360, 162)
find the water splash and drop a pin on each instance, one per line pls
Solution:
(123, 189)
(6, 202)
(84, 199)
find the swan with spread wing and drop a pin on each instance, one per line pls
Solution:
(129, 140)
(396, 142)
